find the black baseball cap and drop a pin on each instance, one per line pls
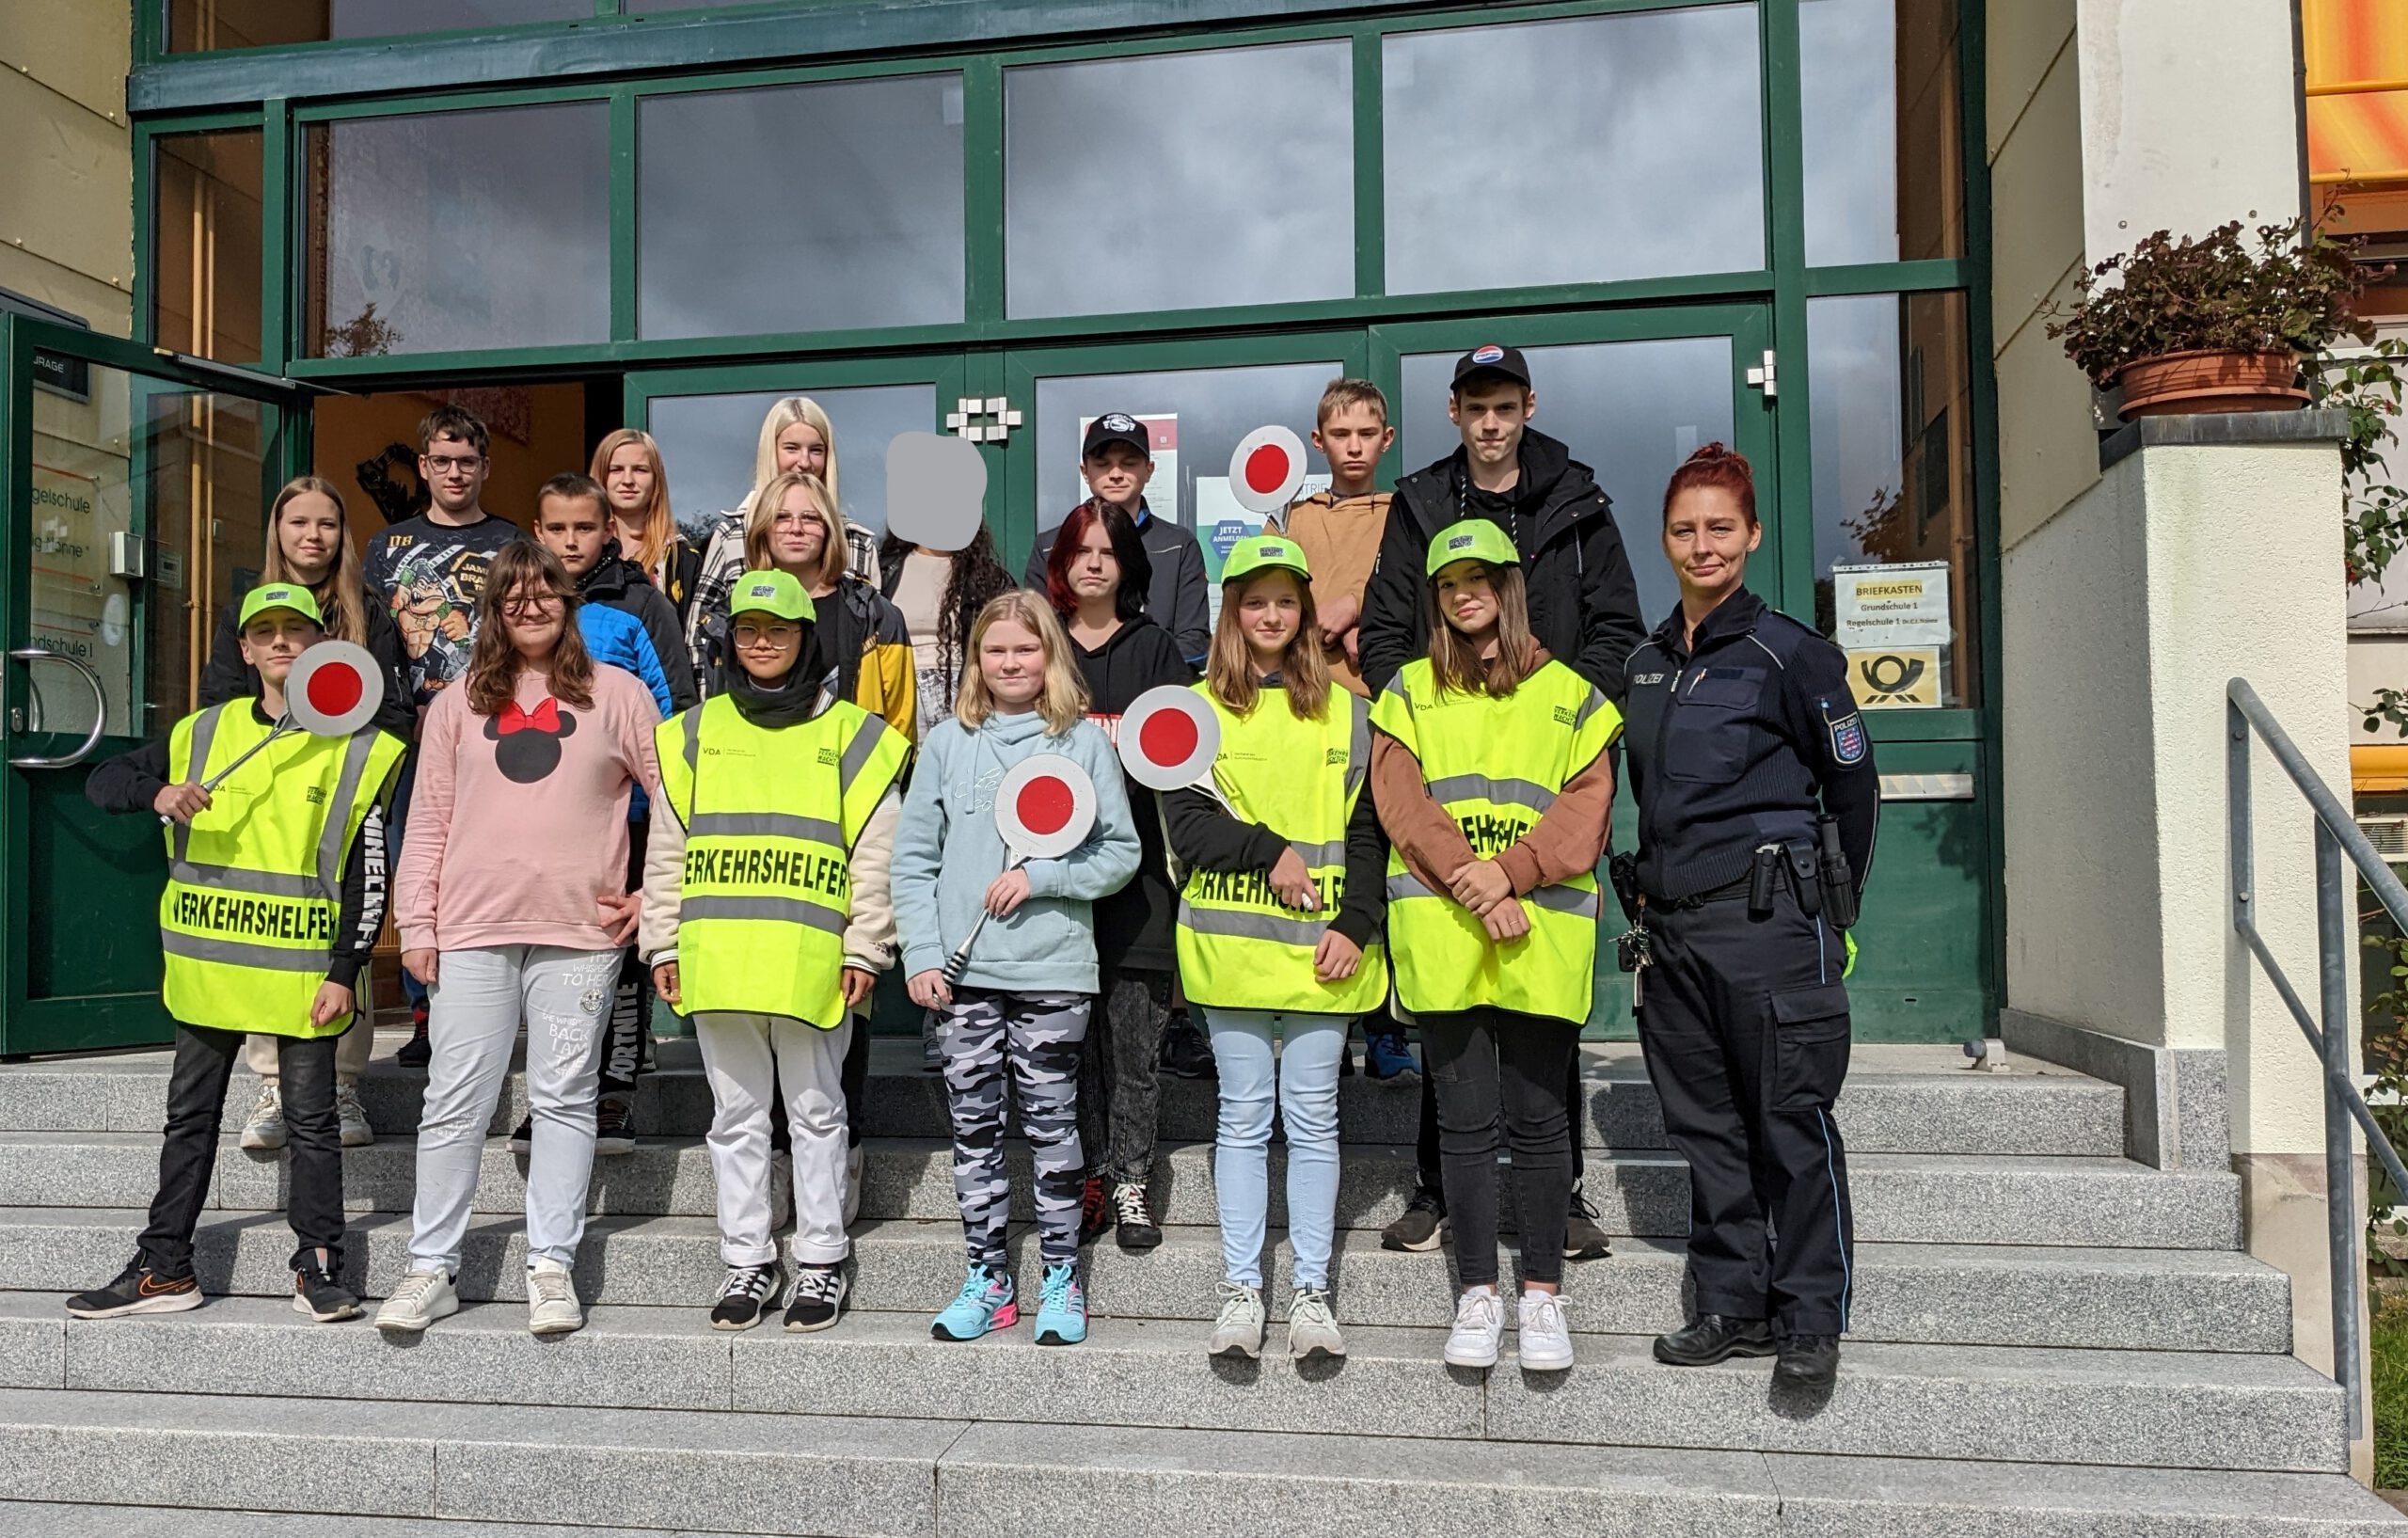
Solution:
(1116, 427)
(1489, 358)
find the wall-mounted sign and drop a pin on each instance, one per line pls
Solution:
(1901, 604)
(1898, 679)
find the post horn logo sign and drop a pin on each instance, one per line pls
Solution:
(1907, 678)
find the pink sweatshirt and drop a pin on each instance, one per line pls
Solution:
(517, 824)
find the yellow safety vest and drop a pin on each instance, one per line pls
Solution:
(1495, 765)
(255, 881)
(771, 817)
(1238, 946)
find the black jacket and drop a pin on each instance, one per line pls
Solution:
(616, 582)
(1178, 596)
(131, 782)
(1584, 603)
(227, 676)
(1730, 745)
(1133, 926)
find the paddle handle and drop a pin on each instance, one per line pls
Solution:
(958, 962)
(244, 758)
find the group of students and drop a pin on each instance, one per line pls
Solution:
(749, 779)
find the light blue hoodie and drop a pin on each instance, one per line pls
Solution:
(947, 851)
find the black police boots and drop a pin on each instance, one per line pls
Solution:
(1713, 1339)
(1807, 1361)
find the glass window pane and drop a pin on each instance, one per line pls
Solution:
(708, 443)
(803, 208)
(1574, 151)
(1894, 487)
(456, 231)
(205, 279)
(1180, 181)
(1882, 148)
(1631, 411)
(194, 25)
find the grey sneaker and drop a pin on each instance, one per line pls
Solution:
(552, 1308)
(1238, 1330)
(357, 1132)
(263, 1130)
(419, 1300)
(1313, 1328)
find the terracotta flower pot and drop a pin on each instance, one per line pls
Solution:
(2177, 384)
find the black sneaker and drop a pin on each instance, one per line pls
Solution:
(1134, 1215)
(138, 1289)
(1583, 1240)
(522, 1137)
(418, 1048)
(1713, 1339)
(1346, 1059)
(1807, 1361)
(322, 1297)
(1423, 1222)
(614, 1126)
(1185, 1052)
(1095, 1210)
(817, 1297)
(742, 1296)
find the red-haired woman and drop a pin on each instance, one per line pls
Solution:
(1752, 771)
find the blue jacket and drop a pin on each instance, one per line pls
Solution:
(947, 850)
(618, 638)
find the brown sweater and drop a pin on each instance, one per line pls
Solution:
(1341, 543)
(1566, 841)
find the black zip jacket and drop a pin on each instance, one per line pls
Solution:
(616, 582)
(1584, 602)
(1730, 745)
(131, 782)
(227, 676)
(1177, 597)
(1133, 926)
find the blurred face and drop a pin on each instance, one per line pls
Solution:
(573, 529)
(533, 614)
(627, 481)
(766, 645)
(1270, 612)
(1491, 415)
(798, 532)
(1095, 570)
(1012, 661)
(275, 641)
(1118, 473)
(1468, 596)
(1352, 440)
(1707, 537)
(309, 533)
(801, 448)
(454, 473)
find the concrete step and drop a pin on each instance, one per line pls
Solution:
(2154, 1300)
(2157, 1409)
(1899, 1099)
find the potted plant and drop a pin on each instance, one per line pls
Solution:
(2217, 324)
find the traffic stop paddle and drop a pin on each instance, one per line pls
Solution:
(1044, 809)
(333, 690)
(1169, 737)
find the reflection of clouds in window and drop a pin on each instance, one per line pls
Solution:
(801, 208)
(1848, 53)
(708, 443)
(1586, 151)
(1180, 181)
(1856, 427)
(1631, 411)
(466, 229)
(1215, 407)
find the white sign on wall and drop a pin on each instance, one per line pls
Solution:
(1885, 607)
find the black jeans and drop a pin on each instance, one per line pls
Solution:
(1120, 1079)
(197, 1105)
(1491, 1065)
(1425, 1142)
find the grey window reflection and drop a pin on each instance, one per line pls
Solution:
(460, 230)
(197, 24)
(1180, 181)
(1631, 411)
(1891, 434)
(1571, 152)
(801, 208)
(1881, 148)
(707, 444)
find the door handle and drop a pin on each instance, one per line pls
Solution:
(99, 712)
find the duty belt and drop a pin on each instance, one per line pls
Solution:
(1725, 892)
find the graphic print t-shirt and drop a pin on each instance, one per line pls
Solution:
(429, 575)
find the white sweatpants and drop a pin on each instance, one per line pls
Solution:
(809, 1068)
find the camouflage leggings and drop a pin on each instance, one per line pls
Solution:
(996, 1044)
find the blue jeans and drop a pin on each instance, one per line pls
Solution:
(1306, 1093)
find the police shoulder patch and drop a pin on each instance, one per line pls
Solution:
(1849, 743)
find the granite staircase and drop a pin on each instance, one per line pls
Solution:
(2049, 1340)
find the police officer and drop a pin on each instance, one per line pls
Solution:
(1757, 802)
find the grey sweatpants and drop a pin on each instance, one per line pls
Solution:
(996, 1046)
(478, 997)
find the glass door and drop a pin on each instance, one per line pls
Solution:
(133, 493)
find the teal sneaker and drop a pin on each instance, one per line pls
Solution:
(1061, 1307)
(984, 1302)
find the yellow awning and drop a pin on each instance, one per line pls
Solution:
(2378, 768)
(2357, 91)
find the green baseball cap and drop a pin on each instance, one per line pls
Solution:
(1263, 552)
(279, 595)
(1473, 539)
(775, 593)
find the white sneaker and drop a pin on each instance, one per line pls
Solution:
(1313, 1328)
(552, 1308)
(1544, 1343)
(357, 1132)
(781, 1191)
(1480, 1324)
(852, 1184)
(421, 1299)
(1238, 1330)
(263, 1130)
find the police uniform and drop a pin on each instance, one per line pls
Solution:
(1734, 737)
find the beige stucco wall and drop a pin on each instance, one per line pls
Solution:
(66, 177)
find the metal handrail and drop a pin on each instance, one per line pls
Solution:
(2337, 834)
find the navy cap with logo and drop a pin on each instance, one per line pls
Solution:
(1491, 357)
(1115, 427)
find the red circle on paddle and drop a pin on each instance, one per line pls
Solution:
(1168, 737)
(1045, 805)
(1266, 469)
(335, 688)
